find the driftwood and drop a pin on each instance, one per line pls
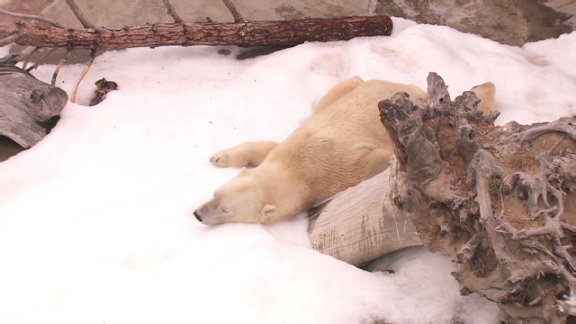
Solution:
(240, 33)
(27, 105)
(499, 200)
(362, 223)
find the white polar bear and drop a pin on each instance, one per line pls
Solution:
(342, 144)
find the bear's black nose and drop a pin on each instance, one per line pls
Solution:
(198, 217)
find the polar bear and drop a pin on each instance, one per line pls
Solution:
(342, 144)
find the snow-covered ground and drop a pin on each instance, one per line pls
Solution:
(95, 222)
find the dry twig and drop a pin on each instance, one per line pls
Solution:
(31, 17)
(86, 69)
(60, 65)
(79, 14)
(172, 12)
(233, 10)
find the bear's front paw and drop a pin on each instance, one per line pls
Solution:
(220, 159)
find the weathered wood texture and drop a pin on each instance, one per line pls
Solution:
(499, 200)
(362, 223)
(26, 104)
(243, 33)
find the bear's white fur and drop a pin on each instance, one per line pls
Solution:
(341, 145)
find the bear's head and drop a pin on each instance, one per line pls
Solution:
(242, 200)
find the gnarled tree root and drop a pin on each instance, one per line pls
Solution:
(500, 200)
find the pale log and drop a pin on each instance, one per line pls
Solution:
(362, 223)
(27, 105)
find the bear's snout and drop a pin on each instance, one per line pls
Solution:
(198, 217)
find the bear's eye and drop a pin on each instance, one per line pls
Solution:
(226, 210)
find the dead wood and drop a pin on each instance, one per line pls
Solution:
(242, 33)
(79, 14)
(362, 223)
(172, 12)
(26, 105)
(499, 200)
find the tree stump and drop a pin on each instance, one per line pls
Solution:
(499, 200)
(27, 105)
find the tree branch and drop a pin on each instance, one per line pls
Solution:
(172, 12)
(86, 69)
(78, 13)
(60, 65)
(233, 10)
(39, 61)
(244, 34)
(30, 17)
(9, 40)
(36, 49)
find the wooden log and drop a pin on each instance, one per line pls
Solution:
(499, 200)
(362, 223)
(26, 105)
(242, 33)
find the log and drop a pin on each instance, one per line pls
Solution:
(362, 223)
(499, 200)
(241, 33)
(27, 105)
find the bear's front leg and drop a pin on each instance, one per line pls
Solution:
(249, 154)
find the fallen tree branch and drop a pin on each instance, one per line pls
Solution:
(244, 34)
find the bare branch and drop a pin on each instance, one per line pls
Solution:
(88, 65)
(60, 65)
(172, 12)
(233, 10)
(29, 57)
(31, 17)
(9, 40)
(49, 4)
(35, 65)
(246, 34)
(78, 13)
(568, 227)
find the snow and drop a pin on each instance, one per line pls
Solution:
(95, 222)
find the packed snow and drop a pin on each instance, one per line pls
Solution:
(95, 220)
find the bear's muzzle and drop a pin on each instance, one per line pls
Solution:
(198, 217)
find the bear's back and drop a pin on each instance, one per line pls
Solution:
(328, 150)
(356, 114)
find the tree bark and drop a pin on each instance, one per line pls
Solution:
(242, 33)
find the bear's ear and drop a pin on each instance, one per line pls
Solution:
(269, 210)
